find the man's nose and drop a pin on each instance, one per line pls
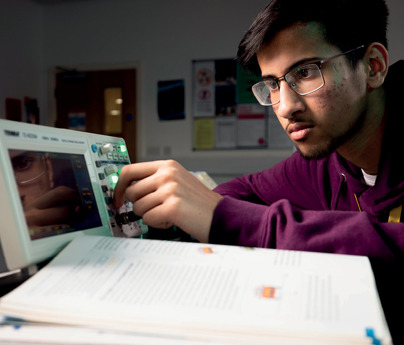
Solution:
(290, 102)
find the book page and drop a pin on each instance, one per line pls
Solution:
(194, 288)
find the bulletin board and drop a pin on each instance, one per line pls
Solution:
(226, 114)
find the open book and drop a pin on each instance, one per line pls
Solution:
(202, 293)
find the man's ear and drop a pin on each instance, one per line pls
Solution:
(377, 60)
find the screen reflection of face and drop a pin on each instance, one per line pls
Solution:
(33, 174)
(50, 193)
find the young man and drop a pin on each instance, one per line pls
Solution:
(324, 67)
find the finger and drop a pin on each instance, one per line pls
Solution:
(146, 203)
(161, 180)
(129, 174)
(157, 218)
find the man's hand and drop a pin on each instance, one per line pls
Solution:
(164, 194)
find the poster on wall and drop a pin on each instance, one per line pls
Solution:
(225, 132)
(204, 133)
(222, 94)
(77, 120)
(225, 87)
(251, 126)
(204, 88)
(245, 80)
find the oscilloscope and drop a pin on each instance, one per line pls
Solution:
(56, 184)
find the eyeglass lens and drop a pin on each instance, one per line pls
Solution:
(303, 80)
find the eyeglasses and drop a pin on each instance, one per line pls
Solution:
(28, 168)
(304, 79)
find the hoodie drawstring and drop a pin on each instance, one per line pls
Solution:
(357, 203)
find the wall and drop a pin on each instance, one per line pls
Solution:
(21, 59)
(159, 37)
(162, 38)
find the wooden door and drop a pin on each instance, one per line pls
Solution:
(102, 102)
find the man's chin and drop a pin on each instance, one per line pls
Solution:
(314, 153)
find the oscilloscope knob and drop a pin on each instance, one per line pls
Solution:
(111, 169)
(106, 148)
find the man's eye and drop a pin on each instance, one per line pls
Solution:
(304, 72)
(22, 163)
(271, 84)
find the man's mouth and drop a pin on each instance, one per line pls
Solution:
(299, 131)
